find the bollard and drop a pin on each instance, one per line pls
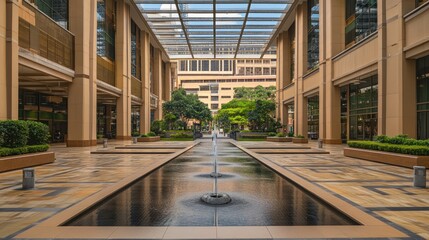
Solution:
(419, 176)
(134, 140)
(105, 143)
(28, 179)
(320, 143)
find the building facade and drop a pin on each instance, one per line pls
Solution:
(214, 80)
(83, 67)
(354, 69)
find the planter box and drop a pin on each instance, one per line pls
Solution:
(149, 139)
(100, 141)
(300, 140)
(25, 160)
(279, 139)
(397, 159)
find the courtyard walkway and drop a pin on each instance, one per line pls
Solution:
(382, 190)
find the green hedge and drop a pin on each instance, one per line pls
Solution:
(14, 133)
(182, 135)
(402, 140)
(387, 147)
(38, 133)
(23, 150)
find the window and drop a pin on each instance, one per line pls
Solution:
(194, 64)
(214, 98)
(106, 29)
(57, 10)
(258, 61)
(258, 71)
(241, 71)
(249, 70)
(267, 61)
(135, 51)
(361, 20)
(204, 88)
(313, 34)
(313, 117)
(205, 65)
(267, 71)
(226, 65)
(363, 107)
(249, 61)
(226, 88)
(183, 65)
(273, 71)
(422, 73)
(240, 61)
(203, 96)
(215, 106)
(226, 97)
(214, 65)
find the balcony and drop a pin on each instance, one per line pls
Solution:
(136, 87)
(46, 38)
(153, 101)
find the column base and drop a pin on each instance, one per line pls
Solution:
(123, 137)
(332, 141)
(81, 143)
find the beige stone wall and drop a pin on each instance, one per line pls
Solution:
(390, 53)
(3, 83)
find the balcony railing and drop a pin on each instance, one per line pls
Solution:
(153, 101)
(105, 71)
(136, 87)
(46, 38)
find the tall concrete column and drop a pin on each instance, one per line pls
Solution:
(167, 82)
(3, 84)
(279, 76)
(400, 87)
(157, 78)
(382, 55)
(145, 65)
(82, 95)
(300, 101)
(11, 81)
(332, 32)
(123, 70)
(283, 71)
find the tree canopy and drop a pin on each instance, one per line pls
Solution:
(186, 107)
(257, 93)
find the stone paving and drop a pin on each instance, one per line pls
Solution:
(382, 190)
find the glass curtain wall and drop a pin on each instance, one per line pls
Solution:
(363, 109)
(313, 117)
(106, 120)
(361, 20)
(50, 110)
(135, 51)
(313, 34)
(135, 119)
(106, 29)
(291, 117)
(57, 10)
(344, 112)
(420, 2)
(422, 73)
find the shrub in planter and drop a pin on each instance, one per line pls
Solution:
(151, 134)
(143, 135)
(271, 134)
(181, 135)
(23, 150)
(280, 134)
(388, 147)
(135, 134)
(299, 136)
(38, 133)
(290, 134)
(14, 133)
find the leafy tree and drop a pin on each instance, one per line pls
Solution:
(186, 107)
(262, 116)
(257, 93)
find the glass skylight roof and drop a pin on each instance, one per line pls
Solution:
(214, 28)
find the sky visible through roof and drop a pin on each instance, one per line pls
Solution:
(214, 28)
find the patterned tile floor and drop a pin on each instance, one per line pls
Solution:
(382, 190)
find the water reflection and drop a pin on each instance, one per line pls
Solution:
(170, 196)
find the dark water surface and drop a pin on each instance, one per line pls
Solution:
(170, 196)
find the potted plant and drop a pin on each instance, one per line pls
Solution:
(299, 139)
(100, 138)
(135, 135)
